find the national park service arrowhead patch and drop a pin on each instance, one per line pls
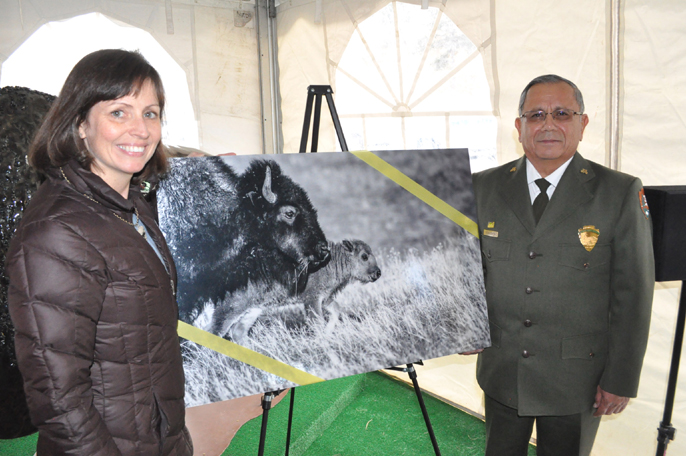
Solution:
(588, 235)
(644, 203)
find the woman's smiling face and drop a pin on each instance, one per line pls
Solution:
(122, 136)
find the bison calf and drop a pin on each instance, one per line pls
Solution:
(350, 261)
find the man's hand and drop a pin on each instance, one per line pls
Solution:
(473, 352)
(608, 403)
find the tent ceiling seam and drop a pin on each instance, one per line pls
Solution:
(376, 64)
(426, 54)
(397, 49)
(21, 13)
(361, 84)
(371, 54)
(446, 78)
(169, 16)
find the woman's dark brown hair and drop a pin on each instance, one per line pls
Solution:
(103, 75)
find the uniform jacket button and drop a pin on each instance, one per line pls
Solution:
(532, 255)
(586, 265)
(525, 354)
(529, 290)
(527, 323)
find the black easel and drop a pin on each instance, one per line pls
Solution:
(325, 90)
(312, 92)
(266, 406)
(666, 431)
(413, 376)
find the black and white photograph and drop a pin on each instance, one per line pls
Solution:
(322, 262)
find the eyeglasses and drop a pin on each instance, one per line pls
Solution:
(559, 115)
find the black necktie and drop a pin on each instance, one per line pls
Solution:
(541, 200)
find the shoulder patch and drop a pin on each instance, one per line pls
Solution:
(644, 203)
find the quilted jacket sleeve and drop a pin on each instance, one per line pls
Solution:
(55, 301)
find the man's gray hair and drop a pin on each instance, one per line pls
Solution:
(551, 79)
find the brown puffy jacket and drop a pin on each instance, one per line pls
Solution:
(95, 318)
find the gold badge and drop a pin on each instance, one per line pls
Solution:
(514, 168)
(584, 171)
(588, 235)
(490, 233)
(491, 224)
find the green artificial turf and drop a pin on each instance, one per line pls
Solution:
(24, 446)
(362, 415)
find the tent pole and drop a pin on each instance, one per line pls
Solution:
(265, 24)
(615, 74)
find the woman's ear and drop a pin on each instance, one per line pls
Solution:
(82, 130)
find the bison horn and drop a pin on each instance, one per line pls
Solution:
(267, 187)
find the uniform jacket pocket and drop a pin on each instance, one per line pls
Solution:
(585, 346)
(577, 257)
(495, 249)
(496, 334)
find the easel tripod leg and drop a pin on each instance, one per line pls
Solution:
(314, 97)
(666, 431)
(413, 376)
(290, 421)
(266, 405)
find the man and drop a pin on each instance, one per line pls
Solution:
(569, 272)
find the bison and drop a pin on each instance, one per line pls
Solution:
(226, 230)
(350, 261)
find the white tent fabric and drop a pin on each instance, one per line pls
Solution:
(218, 57)
(517, 40)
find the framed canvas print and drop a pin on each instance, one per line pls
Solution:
(299, 268)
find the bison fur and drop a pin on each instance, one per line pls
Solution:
(226, 230)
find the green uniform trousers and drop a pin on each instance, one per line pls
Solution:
(508, 434)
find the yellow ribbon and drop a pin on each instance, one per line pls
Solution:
(417, 190)
(245, 355)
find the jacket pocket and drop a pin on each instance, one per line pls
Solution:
(584, 346)
(495, 249)
(160, 423)
(577, 257)
(496, 334)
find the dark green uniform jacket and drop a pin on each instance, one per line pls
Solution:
(569, 299)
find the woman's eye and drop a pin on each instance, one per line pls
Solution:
(118, 113)
(151, 115)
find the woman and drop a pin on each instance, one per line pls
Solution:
(92, 281)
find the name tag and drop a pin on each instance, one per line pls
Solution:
(490, 233)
